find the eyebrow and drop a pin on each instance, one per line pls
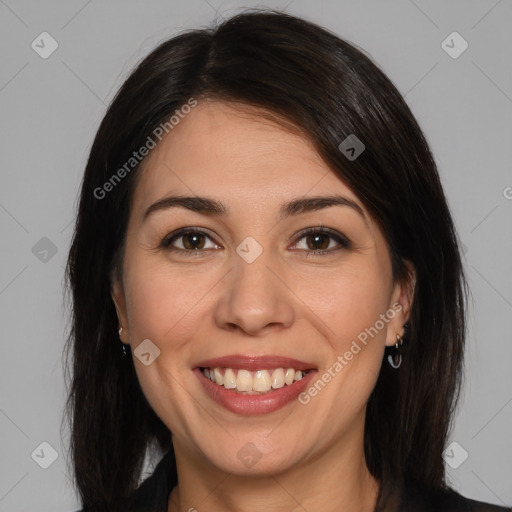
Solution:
(214, 208)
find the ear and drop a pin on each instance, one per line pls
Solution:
(117, 294)
(401, 304)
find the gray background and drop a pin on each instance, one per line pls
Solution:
(50, 109)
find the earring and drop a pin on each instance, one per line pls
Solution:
(124, 348)
(395, 359)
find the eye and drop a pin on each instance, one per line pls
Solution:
(190, 240)
(320, 241)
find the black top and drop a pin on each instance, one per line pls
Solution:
(153, 495)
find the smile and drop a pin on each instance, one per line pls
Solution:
(251, 385)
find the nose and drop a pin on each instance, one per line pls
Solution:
(254, 299)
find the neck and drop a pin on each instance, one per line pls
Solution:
(337, 479)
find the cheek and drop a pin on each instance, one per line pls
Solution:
(347, 300)
(165, 306)
(165, 303)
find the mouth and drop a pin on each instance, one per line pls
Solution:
(254, 385)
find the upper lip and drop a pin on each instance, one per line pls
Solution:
(253, 363)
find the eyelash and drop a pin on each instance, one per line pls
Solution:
(343, 242)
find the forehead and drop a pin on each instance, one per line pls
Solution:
(234, 154)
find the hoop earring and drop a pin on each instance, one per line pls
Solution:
(395, 359)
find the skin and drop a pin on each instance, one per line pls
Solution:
(287, 302)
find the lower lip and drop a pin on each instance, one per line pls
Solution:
(254, 404)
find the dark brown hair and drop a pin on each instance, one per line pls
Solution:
(328, 89)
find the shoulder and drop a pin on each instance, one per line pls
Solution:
(417, 499)
(153, 494)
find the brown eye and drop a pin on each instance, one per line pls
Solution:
(320, 241)
(317, 241)
(193, 241)
(189, 241)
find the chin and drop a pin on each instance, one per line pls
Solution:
(250, 456)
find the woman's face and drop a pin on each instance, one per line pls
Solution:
(230, 273)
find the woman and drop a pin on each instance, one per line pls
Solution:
(262, 224)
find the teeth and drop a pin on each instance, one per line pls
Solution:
(278, 378)
(253, 383)
(244, 381)
(218, 376)
(261, 381)
(229, 379)
(289, 376)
